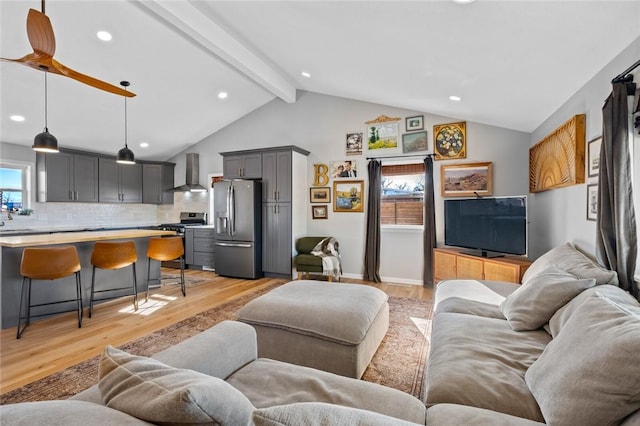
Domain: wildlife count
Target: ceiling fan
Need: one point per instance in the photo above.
(43, 42)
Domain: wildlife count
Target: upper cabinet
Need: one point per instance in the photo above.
(119, 183)
(157, 183)
(276, 177)
(242, 166)
(67, 176)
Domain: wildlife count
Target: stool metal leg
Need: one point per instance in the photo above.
(19, 331)
(93, 286)
(79, 295)
(182, 284)
(135, 288)
(146, 299)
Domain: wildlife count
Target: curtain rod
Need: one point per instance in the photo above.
(623, 75)
(400, 156)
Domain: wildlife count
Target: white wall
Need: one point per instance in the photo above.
(319, 123)
(559, 215)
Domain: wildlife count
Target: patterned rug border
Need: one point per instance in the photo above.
(402, 345)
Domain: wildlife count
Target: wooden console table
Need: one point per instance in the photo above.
(451, 263)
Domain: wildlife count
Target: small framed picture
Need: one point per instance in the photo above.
(414, 142)
(354, 143)
(347, 196)
(593, 150)
(466, 180)
(414, 123)
(319, 212)
(320, 195)
(450, 141)
(344, 169)
(592, 201)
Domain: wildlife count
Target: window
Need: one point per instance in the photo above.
(402, 201)
(14, 190)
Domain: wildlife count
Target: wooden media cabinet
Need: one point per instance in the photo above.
(450, 263)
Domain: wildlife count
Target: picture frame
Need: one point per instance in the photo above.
(343, 169)
(592, 202)
(414, 123)
(320, 195)
(353, 143)
(348, 196)
(414, 142)
(382, 133)
(450, 141)
(593, 156)
(466, 179)
(319, 212)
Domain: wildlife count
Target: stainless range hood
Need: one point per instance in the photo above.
(193, 173)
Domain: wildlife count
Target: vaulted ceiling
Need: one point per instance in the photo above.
(513, 63)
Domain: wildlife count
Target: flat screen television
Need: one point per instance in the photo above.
(489, 227)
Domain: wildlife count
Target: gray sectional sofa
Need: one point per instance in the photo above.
(562, 349)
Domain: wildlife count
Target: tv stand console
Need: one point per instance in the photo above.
(451, 263)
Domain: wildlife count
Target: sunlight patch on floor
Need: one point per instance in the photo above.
(155, 302)
(422, 324)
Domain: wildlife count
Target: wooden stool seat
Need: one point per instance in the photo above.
(164, 249)
(113, 255)
(48, 263)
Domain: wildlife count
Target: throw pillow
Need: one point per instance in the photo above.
(568, 258)
(589, 374)
(534, 303)
(150, 390)
(320, 414)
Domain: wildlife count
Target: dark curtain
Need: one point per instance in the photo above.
(429, 222)
(372, 240)
(616, 239)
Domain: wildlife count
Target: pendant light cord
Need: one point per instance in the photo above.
(46, 127)
(125, 120)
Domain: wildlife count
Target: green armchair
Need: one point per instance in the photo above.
(306, 262)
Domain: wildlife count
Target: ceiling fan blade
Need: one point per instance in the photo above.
(94, 82)
(40, 33)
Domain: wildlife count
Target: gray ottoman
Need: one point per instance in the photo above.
(331, 327)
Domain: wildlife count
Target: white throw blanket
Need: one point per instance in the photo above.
(328, 250)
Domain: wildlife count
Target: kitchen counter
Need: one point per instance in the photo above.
(78, 237)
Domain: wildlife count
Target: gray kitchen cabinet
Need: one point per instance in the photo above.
(276, 238)
(119, 183)
(242, 166)
(67, 176)
(276, 177)
(157, 183)
(199, 247)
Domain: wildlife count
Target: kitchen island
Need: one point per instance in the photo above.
(64, 288)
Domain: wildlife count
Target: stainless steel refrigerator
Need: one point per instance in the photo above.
(237, 207)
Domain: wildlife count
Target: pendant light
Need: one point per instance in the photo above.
(45, 141)
(125, 155)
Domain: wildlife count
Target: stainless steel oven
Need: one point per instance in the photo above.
(186, 218)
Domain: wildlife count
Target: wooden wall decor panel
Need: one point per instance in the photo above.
(558, 159)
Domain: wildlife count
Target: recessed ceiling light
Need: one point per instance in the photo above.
(463, 1)
(223, 95)
(104, 35)
(144, 145)
(455, 98)
(305, 74)
(17, 118)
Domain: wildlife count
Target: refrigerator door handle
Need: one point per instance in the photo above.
(232, 212)
(228, 218)
(244, 245)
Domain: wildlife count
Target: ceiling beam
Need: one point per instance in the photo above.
(204, 31)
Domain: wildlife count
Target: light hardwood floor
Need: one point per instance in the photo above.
(53, 344)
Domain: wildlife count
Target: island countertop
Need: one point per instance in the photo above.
(78, 237)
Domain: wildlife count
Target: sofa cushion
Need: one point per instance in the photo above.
(454, 414)
(481, 362)
(532, 305)
(153, 391)
(461, 305)
(479, 291)
(614, 293)
(568, 258)
(589, 374)
(266, 383)
(319, 414)
(63, 413)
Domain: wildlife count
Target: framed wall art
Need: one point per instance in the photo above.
(593, 154)
(592, 202)
(414, 123)
(354, 143)
(344, 169)
(464, 180)
(414, 142)
(319, 195)
(382, 133)
(319, 212)
(450, 141)
(348, 196)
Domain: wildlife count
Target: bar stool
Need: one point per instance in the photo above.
(164, 249)
(113, 255)
(48, 263)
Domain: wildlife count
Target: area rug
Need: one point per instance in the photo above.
(171, 279)
(398, 363)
